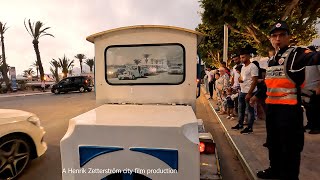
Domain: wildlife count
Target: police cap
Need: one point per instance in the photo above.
(281, 25)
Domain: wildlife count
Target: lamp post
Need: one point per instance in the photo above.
(225, 43)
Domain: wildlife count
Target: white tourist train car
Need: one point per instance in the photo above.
(144, 128)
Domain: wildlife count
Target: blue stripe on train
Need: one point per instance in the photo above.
(169, 156)
(86, 153)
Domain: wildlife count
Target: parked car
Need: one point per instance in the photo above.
(21, 140)
(175, 70)
(114, 73)
(74, 83)
(132, 72)
(3, 88)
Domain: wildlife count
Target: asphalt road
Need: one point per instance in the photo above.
(56, 110)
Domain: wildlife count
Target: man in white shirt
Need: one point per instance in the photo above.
(234, 75)
(248, 83)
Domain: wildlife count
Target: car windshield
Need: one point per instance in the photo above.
(144, 64)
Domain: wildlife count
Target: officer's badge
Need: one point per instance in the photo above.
(281, 60)
(307, 51)
(278, 25)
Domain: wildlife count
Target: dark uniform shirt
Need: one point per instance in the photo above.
(298, 59)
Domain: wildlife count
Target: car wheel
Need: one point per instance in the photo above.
(15, 154)
(81, 89)
(89, 89)
(56, 91)
(132, 77)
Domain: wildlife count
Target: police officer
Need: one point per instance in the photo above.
(284, 117)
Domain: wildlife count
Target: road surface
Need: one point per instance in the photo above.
(56, 110)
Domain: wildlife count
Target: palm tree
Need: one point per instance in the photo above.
(28, 73)
(65, 65)
(80, 57)
(54, 69)
(36, 32)
(90, 63)
(35, 64)
(146, 57)
(3, 65)
(137, 61)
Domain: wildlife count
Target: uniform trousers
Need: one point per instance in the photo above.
(285, 138)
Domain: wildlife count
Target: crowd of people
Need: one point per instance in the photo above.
(234, 89)
(275, 94)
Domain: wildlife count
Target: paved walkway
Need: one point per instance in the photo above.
(254, 156)
(23, 93)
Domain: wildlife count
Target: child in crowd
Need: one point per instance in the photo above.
(230, 103)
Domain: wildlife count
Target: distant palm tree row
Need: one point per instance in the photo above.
(37, 30)
(64, 64)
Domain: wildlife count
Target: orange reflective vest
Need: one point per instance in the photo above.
(281, 89)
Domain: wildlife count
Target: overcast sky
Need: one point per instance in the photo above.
(71, 21)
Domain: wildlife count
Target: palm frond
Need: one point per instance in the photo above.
(3, 28)
(52, 71)
(37, 29)
(43, 30)
(70, 64)
(55, 63)
(31, 27)
(80, 56)
(27, 28)
(35, 64)
(90, 62)
(46, 34)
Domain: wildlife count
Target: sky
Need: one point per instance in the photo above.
(71, 21)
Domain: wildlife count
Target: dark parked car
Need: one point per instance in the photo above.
(74, 83)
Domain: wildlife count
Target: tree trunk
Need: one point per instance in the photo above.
(37, 72)
(80, 60)
(4, 64)
(56, 75)
(65, 73)
(36, 49)
(91, 69)
(289, 9)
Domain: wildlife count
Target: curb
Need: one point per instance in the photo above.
(20, 95)
(251, 175)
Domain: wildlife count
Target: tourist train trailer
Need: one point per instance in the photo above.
(146, 127)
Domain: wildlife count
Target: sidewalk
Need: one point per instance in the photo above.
(254, 157)
(24, 93)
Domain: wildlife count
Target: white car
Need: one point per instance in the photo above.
(175, 70)
(132, 72)
(21, 140)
